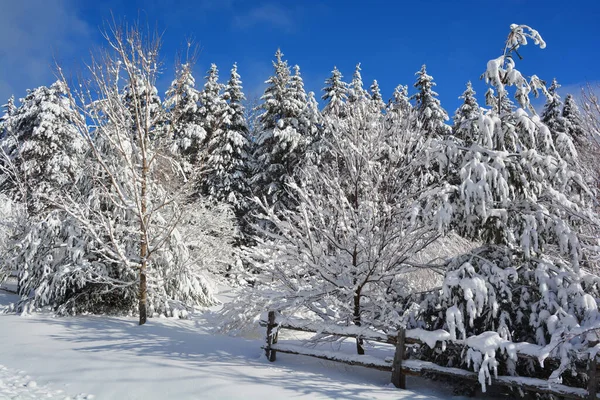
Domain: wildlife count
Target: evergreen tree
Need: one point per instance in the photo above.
(182, 97)
(228, 158)
(572, 120)
(399, 104)
(430, 113)
(466, 117)
(45, 149)
(8, 143)
(531, 213)
(336, 94)
(305, 113)
(552, 109)
(280, 145)
(213, 105)
(356, 91)
(376, 99)
(141, 98)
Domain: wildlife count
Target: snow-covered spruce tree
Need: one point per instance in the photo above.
(376, 99)
(399, 104)
(356, 90)
(335, 94)
(227, 178)
(530, 280)
(431, 115)
(280, 145)
(551, 115)
(213, 109)
(573, 122)
(342, 256)
(183, 97)
(42, 149)
(466, 117)
(308, 119)
(121, 246)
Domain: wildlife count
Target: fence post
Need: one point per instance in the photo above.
(271, 337)
(592, 382)
(398, 378)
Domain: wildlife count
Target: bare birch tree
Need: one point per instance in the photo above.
(128, 131)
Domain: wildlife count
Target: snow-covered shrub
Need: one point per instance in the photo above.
(523, 300)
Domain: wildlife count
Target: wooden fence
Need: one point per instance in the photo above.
(400, 366)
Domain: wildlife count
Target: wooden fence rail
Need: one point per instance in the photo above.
(400, 366)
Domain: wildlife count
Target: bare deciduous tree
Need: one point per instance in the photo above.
(127, 132)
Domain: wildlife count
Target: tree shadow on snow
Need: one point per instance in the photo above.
(194, 353)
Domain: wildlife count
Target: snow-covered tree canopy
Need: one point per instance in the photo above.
(41, 147)
(431, 115)
(344, 255)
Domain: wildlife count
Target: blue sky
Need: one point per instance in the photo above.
(390, 38)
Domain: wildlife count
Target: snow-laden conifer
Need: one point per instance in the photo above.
(227, 178)
(183, 97)
(376, 99)
(530, 279)
(431, 115)
(466, 117)
(335, 94)
(572, 120)
(281, 142)
(213, 105)
(42, 149)
(356, 90)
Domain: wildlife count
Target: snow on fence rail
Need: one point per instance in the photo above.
(400, 367)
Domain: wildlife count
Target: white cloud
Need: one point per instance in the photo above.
(35, 33)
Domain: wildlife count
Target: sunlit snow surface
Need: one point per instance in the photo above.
(99, 357)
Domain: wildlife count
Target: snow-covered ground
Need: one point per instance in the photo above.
(42, 356)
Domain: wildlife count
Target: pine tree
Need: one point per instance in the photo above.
(336, 94)
(523, 202)
(142, 97)
(213, 106)
(466, 117)
(8, 144)
(305, 113)
(45, 149)
(182, 97)
(572, 120)
(280, 145)
(376, 99)
(356, 91)
(430, 113)
(399, 104)
(552, 109)
(227, 179)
